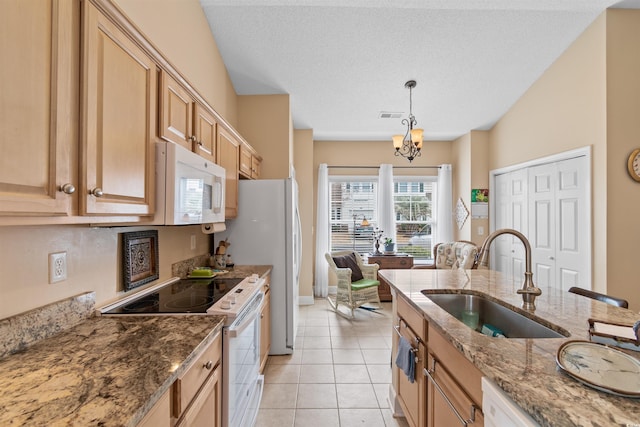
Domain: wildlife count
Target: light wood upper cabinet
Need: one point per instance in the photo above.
(119, 87)
(205, 132)
(228, 153)
(250, 162)
(39, 44)
(184, 121)
(176, 118)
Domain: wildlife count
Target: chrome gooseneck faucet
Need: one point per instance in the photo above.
(529, 291)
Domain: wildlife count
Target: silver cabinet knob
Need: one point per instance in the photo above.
(208, 365)
(192, 138)
(68, 188)
(551, 258)
(97, 192)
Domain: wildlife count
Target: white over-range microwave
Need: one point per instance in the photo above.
(190, 189)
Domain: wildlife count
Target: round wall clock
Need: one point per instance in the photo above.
(633, 164)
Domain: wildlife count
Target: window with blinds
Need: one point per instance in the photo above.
(354, 200)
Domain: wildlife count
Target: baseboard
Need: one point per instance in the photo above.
(305, 300)
(394, 405)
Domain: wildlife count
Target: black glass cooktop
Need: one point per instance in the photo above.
(184, 296)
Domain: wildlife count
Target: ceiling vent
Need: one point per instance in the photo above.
(389, 115)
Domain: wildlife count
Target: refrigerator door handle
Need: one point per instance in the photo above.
(298, 245)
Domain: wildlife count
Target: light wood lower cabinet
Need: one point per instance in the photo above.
(160, 414)
(454, 386)
(265, 324)
(118, 121)
(197, 393)
(412, 395)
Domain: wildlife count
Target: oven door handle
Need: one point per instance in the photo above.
(235, 330)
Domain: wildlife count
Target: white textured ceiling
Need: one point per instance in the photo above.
(344, 62)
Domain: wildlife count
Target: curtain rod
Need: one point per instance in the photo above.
(378, 167)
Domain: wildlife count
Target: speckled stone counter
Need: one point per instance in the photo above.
(242, 271)
(106, 371)
(525, 368)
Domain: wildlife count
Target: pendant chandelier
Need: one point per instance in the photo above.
(410, 145)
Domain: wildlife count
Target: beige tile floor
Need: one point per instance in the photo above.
(338, 374)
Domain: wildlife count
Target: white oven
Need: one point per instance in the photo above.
(242, 382)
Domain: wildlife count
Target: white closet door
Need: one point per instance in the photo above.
(573, 249)
(507, 251)
(542, 214)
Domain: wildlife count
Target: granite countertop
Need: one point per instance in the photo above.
(105, 371)
(525, 368)
(60, 365)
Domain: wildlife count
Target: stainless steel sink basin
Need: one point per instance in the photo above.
(477, 311)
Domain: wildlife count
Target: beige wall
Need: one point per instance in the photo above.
(461, 182)
(623, 127)
(265, 122)
(479, 155)
(179, 29)
(564, 110)
(303, 141)
(93, 261)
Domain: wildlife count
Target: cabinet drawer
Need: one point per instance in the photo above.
(187, 385)
(411, 317)
(450, 404)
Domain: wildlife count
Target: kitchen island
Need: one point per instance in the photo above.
(525, 369)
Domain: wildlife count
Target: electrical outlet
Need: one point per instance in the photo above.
(57, 267)
(193, 242)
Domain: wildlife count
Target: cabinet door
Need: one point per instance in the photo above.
(245, 161)
(448, 404)
(206, 408)
(412, 395)
(228, 157)
(176, 115)
(159, 415)
(38, 106)
(205, 130)
(265, 328)
(118, 121)
(256, 163)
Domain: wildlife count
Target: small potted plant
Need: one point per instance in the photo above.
(389, 246)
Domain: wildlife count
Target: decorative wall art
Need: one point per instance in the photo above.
(462, 213)
(140, 258)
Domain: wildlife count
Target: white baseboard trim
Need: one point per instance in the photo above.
(392, 399)
(305, 300)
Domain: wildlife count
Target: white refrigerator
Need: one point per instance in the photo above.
(267, 232)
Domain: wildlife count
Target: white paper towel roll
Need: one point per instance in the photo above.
(215, 227)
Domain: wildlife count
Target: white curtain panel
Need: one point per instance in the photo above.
(321, 288)
(444, 206)
(386, 213)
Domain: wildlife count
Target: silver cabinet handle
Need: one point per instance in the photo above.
(192, 138)
(97, 192)
(551, 258)
(68, 188)
(472, 418)
(208, 365)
